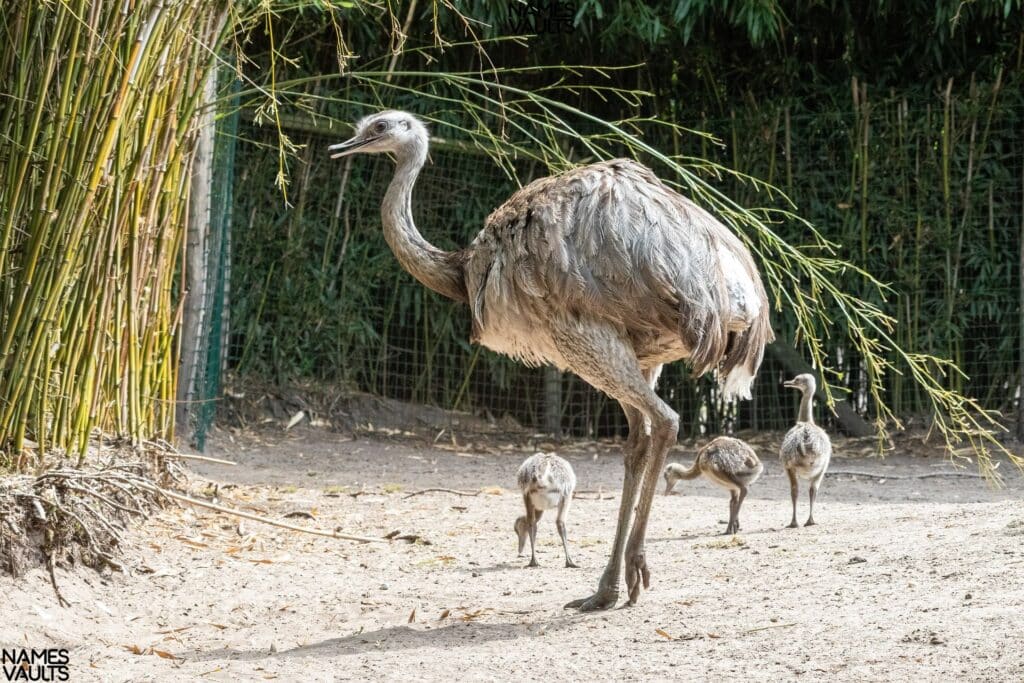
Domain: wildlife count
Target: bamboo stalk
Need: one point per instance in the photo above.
(1020, 323)
(789, 153)
(100, 111)
(865, 135)
(947, 205)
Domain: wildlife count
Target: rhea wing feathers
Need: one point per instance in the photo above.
(610, 241)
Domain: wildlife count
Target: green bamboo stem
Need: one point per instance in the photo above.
(99, 126)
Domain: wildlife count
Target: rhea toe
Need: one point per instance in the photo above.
(547, 481)
(727, 462)
(806, 448)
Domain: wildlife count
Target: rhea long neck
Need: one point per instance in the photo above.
(806, 414)
(435, 268)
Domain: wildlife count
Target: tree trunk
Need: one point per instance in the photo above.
(553, 401)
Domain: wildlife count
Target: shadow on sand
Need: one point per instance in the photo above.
(402, 637)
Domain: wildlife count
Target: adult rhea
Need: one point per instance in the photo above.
(602, 271)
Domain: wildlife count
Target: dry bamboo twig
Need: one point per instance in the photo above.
(258, 518)
(112, 503)
(926, 475)
(114, 531)
(598, 494)
(113, 477)
(203, 458)
(765, 628)
(51, 564)
(441, 490)
(90, 540)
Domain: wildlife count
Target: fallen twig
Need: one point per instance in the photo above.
(203, 458)
(437, 490)
(265, 520)
(599, 494)
(105, 499)
(90, 539)
(926, 475)
(764, 628)
(51, 563)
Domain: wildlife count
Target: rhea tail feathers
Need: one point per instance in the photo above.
(743, 359)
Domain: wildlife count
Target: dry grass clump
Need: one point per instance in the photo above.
(69, 516)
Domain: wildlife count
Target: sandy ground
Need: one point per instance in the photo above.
(906, 578)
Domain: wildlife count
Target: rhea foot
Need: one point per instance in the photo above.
(636, 572)
(792, 525)
(604, 598)
(810, 522)
(571, 565)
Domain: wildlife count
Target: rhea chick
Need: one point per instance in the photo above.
(806, 449)
(547, 481)
(727, 462)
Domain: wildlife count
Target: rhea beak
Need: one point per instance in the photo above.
(348, 147)
(790, 383)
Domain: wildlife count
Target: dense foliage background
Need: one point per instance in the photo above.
(896, 128)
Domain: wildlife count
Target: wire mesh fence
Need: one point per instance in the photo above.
(925, 195)
(214, 354)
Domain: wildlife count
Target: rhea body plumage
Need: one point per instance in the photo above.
(726, 462)
(806, 449)
(547, 482)
(603, 271)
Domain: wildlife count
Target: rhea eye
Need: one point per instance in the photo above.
(380, 126)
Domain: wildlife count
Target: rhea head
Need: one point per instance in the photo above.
(672, 475)
(388, 131)
(805, 383)
(542, 479)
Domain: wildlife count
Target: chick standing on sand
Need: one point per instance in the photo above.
(547, 481)
(806, 449)
(727, 462)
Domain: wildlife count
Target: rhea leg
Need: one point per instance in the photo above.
(563, 508)
(522, 531)
(739, 504)
(731, 527)
(639, 435)
(794, 489)
(532, 517)
(664, 430)
(603, 358)
(608, 586)
(812, 494)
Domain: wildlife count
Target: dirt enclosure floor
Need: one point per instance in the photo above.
(904, 578)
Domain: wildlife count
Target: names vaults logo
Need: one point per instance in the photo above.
(24, 664)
